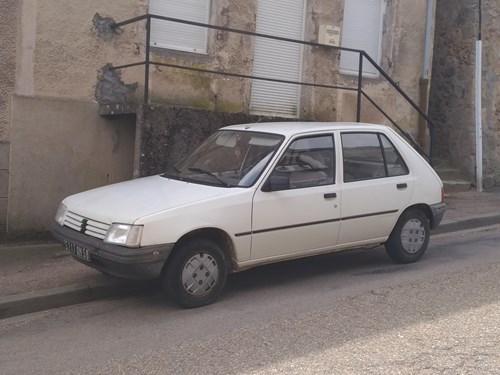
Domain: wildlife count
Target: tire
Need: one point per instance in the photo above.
(196, 274)
(409, 238)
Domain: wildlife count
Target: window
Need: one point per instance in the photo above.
(362, 29)
(307, 162)
(172, 35)
(276, 59)
(370, 155)
(395, 163)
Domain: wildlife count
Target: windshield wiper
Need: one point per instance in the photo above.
(208, 173)
(177, 172)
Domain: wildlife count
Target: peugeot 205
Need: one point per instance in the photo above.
(255, 194)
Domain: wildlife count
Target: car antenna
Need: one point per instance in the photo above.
(266, 117)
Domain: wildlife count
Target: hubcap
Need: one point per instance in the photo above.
(413, 236)
(200, 274)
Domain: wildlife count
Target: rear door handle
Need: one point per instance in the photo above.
(330, 195)
(402, 186)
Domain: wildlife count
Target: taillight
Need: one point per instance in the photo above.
(442, 194)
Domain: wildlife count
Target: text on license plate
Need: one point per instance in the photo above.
(77, 250)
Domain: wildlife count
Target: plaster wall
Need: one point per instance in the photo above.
(68, 52)
(52, 48)
(402, 57)
(61, 147)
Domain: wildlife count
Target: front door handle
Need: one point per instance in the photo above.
(402, 186)
(330, 195)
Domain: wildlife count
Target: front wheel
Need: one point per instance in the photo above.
(196, 274)
(409, 238)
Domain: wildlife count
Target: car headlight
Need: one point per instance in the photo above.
(124, 235)
(61, 214)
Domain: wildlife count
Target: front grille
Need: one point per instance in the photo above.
(86, 226)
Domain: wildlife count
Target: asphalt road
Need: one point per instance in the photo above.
(348, 313)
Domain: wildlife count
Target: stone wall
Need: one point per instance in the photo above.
(491, 93)
(452, 89)
(70, 51)
(8, 33)
(166, 134)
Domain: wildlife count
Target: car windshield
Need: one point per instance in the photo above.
(228, 158)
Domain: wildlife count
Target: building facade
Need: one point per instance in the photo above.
(55, 141)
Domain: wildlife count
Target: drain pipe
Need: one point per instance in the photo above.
(424, 81)
(478, 109)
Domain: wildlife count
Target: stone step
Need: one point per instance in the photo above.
(447, 173)
(441, 163)
(455, 186)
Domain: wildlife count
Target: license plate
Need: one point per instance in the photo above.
(77, 250)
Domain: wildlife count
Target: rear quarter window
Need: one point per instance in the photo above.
(370, 155)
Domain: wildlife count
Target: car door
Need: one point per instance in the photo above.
(376, 186)
(297, 209)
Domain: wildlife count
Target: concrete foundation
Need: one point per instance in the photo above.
(58, 148)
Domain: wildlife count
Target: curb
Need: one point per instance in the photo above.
(80, 293)
(475, 222)
(69, 295)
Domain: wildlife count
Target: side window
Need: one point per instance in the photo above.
(370, 155)
(395, 163)
(306, 162)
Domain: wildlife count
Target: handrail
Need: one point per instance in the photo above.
(359, 89)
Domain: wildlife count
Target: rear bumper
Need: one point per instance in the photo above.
(437, 213)
(141, 263)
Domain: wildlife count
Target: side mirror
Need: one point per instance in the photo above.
(276, 182)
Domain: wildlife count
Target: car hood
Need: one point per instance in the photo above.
(128, 201)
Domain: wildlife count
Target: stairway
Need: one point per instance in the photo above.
(452, 178)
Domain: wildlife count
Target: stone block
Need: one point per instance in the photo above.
(3, 212)
(4, 184)
(166, 134)
(4, 155)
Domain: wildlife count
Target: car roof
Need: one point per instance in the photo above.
(290, 128)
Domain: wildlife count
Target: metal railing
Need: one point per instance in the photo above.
(359, 89)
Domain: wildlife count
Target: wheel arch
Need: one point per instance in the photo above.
(424, 208)
(216, 235)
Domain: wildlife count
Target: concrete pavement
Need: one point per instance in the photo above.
(36, 276)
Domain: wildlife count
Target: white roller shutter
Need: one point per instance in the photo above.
(178, 36)
(279, 60)
(362, 29)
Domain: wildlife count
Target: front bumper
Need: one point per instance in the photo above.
(437, 211)
(138, 263)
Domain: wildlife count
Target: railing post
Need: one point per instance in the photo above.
(360, 84)
(147, 60)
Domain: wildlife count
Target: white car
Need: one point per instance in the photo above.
(255, 194)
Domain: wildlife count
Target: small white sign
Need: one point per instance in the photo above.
(329, 35)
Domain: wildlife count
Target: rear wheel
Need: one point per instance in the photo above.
(196, 274)
(409, 238)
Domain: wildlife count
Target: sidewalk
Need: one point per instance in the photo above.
(41, 275)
